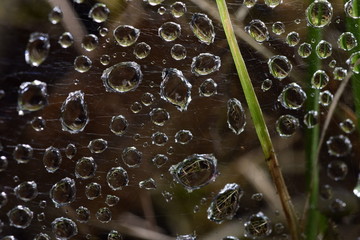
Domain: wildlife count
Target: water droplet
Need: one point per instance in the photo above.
(292, 39)
(23, 153)
(287, 125)
(74, 114)
(186, 237)
(266, 85)
(148, 184)
(208, 88)
(142, 50)
(175, 89)
(325, 98)
(85, 168)
(136, 107)
(169, 31)
(159, 116)
(92, 190)
(55, 15)
(350, 8)
(178, 52)
(168, 196)
(319, 13)
(347, 41)
(37, 49)
(32, 96)
(114, 235)
(278, 28)
(236, 117)
(131, 157)
(258, 226)
(159, 160)
(337, 205)
(20, 216)
(52, 159)
(3, 199)
(203, 28)
(183, 136)
(99, 13)
(292, 96)
(82, 63)
(279, 66)
(117, 178)
(205, 63)
(147, 99)
(319, 79)
(89, 42)
(257, 30)
(250, 3)
(347, 126)
(70, 151)
(304, 50)
(3, 164)
(118, 125)
(66, 40)
(126, 35)
(97, 145)
(339, 146)
(353, 62)
(64, 228)
(122, 77)
(42, 236)
(195, 171)
(63, 192)
(178, 9)
(273, 3)
(105, 59)
(82, 214)
(9, 237)
(311, 118)
(225, 204)
(159, 138)
(323, 49)
(112, 200)
(230, 238)
(332, 63)
(257, 197)
(38, 124)
(154, 2)
(339, 73)
(161, 10)
(26, 191)
(337, 170)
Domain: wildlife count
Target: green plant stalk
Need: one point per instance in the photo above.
(312, 136)
(259, 121)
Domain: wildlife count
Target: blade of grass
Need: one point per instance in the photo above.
(259, 121)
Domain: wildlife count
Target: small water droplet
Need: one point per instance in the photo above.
(287, 125)
(23, 153)
(250, 3)
(147, 99)
(178, 52)
(319, 79)
(292, 39)
(205, 63)
(347, 126)
(99, 13)
(339, 146)
(332, 63)
(103, 31)
(304, 50)
(159, 116)
(159, 160)
(337, 205)
(178, 9)
(32, 96)
(114, 235)
(154, 2)
(169, 31)
(279, 66)
(353, 62)
(183, 136)
(273, 3)
(90, 42)
(97, 145)
(82, 214)
(70, 151)
(258, 226)
(55, 15)
(37, 49)
(319, 13)
(82, 63)
(131, 157)
(112, 200)
(118, 125)
(323, 49)
(63, 192)
(117, 178)
(350, 8)
(42, 236)
(26, 191)
(258, 30)
(38, 124)
(126, 35)
(325, 98)
(20, 216)
(148, 184)
(203, 28)
(337, 170)
(278, 28)
(92, 190)
(186, 237)
(236, 118)
(356, 189)
(257, 197)
(64, 228)
(347, 41)
(85, 168)
(266, 85)
(66, 40)
(52, 159)
(195, 171)
(105, 59)
(159, 138)
(3, 164)
(142, 50)
(167, 195)
(208, 88)
(311, 118)
(339, 73)
(136, 107)
(74, 114)
(292, 96)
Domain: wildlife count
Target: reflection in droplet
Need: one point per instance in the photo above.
(85, 168)
(337, 170)
(258, 30)
(32, 96)
(118, 125)
(117, 178)
(82, 63)
(279, 66)
(131, 157)
(142, 50)
(236, 118)
(258, 226)
(205, 63)
(74, 114)
(26, 191)
(319, 13)
(286, 125)
(208, 88)
(122, 77)
(347, 41)
(99, 13)
(63, 192)
(148, 184)
(23, 153)
(97, 145)
(225, 204)
(52, 159)
(20, 216)
(178, 52)
(175, 88)
(37, 49)
(55, 15)
(169, 31)
(292, 96)
(126, 35)
(203, 28)
(339, 146)
(195, 171)
(64, 228)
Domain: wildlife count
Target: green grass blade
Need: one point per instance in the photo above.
(258, 120)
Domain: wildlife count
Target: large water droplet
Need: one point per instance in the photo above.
(178, 52)
(126, 35)
(122, 77)
(287, 125)
(175, 88)
(63, 192)
(319, 79)
(208, 88)
(203, 28)
(90, 42)
(99, 13)
(82, 63)
(159, 116)
(323, 49)
(52, 159)
(319, 13)
(85, 168)
(183, 136)
(26, 191)
(205, 63)
(142, 50)
(195, 171)
(118, 125)
(292, 39)
(20, 216)
(131, 157)
(279, 66)
(353, 62)
(23, 153)
(32, 96)
(169, 31)
(351, 9)
(104, 215)
(257, 30)
(325, 98)
(292, 96)
(278, 28)
(225, 204)
(97, 145)
(178, 9)
(148, 184)
(37, 49)
(304, 50)
(64, 228)
(236, 117)
(66, 40)
(258, 226)
(347, 41)
(339, 146)
(117, 178)
(92, 190)
(114, 235)
(74, 114)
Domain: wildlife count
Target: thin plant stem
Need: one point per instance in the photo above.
(259, 121)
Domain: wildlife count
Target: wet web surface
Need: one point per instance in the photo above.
(126, 119)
